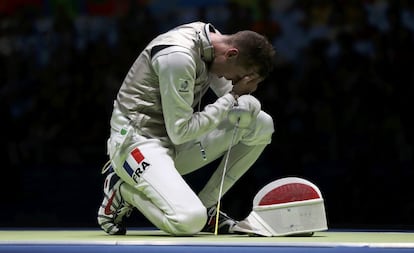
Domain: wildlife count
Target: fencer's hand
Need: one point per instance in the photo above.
(247, 109)
(246, 84)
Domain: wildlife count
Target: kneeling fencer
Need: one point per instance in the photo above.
(159, 131)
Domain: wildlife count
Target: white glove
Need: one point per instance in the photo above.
(247, 109)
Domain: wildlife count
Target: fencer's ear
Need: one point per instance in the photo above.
(232, 52)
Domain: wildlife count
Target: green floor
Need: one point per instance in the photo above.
(152, 237)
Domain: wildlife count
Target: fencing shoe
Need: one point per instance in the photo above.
(225, 223)
(113, 208)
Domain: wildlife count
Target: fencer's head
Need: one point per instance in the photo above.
(241, 54)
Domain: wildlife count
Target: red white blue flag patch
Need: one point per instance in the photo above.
(135, 164)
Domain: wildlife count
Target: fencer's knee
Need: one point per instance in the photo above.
(262, 130)
(190, 221)
(265, 122)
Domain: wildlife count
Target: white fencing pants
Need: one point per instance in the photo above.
(248, 144)
(153, 172)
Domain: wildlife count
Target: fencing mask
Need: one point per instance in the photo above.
(288, 206)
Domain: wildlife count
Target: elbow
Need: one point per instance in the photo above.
(177, 135)
(176, 139)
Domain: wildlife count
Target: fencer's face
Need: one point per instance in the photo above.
(233, 73)
(228, 66)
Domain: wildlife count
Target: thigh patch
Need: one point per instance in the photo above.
(135, 164)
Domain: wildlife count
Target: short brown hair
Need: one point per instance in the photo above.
(255, 50)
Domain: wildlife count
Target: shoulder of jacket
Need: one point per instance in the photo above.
(159, 50)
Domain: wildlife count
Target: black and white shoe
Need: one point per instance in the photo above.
(225, 223)
(113, 208)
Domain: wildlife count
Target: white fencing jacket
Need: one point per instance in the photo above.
(166, 82)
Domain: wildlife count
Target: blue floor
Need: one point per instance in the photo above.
(36, 248)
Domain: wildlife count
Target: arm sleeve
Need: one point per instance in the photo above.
(177, 72)
(220, 86)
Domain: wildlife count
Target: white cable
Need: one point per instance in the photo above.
(236, 126)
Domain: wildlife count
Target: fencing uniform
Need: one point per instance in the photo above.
(158, 134)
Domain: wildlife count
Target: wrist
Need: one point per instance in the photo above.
(235, 95)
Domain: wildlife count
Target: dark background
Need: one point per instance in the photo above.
(341, 96)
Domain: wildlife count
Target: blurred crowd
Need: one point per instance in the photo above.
(341, 96)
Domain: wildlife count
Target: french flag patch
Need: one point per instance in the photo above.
(135, 164)
(137, 155)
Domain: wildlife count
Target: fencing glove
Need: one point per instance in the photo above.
(246, 109)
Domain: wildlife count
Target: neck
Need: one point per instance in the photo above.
(219, 42)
